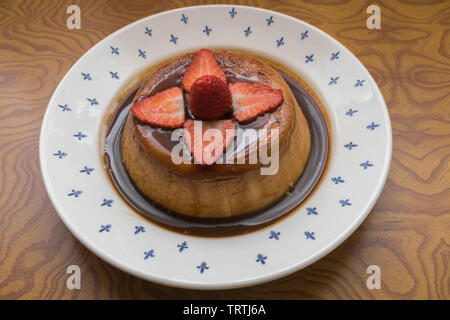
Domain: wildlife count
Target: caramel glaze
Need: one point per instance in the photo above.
(161, 137)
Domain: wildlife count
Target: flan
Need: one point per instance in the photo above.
(224, 188)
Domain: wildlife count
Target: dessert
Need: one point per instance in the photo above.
(220, 177)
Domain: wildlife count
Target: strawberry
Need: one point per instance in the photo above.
(203, 63)
(210, 98)
(164, 109)
(202, 142)
(253, 99)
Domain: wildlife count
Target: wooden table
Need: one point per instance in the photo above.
(407, 234)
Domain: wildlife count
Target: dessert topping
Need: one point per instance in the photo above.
(253, 99)
(203, 63)
(164, 109)
(210, 98)
(207, 140)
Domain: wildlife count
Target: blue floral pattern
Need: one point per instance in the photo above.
(142, 54)
(248, 31)
(60, 154)
(310, 235)
(202, 267)
(182, 246)
(149, 254)
(261, 258)
(274, 235)
(173, 39)
(304, 35)
(105, 228)
(345, 202)
(232, 13)
(138, 229)
(335, 56)
(280, 42)
(106, 203)
(87, 170)
(309, 58)
(64, 107)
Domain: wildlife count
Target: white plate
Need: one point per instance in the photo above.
(79, 189)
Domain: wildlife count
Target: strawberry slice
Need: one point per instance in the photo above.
(203, 63)
(164, 109)
(207, 140)
(253, 99)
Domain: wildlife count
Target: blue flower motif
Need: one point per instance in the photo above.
(182, 246)
(64, 107)
(304, 35)
(310, 235)
(269, 21)
(184, 18)
(106, 228)
(309, 58)
(350, 112)
(107, 203)
(280, 42)
(366, 165)
(261, 258)
(202, 267)
(337, 180)
(60, 154)
(350, 145)
(207, 30)
(86, 76)
(87, 170)
(114, 50)
(372, 126)
(310, 211)
(359, 83)
(335, 56)
(345, 202)
(173, 39)
(114, 75)
(80, 136)
(248, 31)
(75, 193)
(274, 235)
(93, 101)
(148, 31)
(333, 80)
(149, 254)
(138, 229)
(232, 13)
(142, 54)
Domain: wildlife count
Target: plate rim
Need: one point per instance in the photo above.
(187, 284)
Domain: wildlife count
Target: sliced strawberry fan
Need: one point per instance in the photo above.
(166, 109)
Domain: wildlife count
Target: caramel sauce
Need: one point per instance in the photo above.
(313, 173)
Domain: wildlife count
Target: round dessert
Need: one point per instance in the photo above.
(224, 169)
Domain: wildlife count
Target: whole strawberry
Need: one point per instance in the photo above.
(209, 98)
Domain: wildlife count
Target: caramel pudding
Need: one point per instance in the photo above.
(220, 189)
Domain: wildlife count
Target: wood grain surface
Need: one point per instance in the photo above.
(407, 234)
